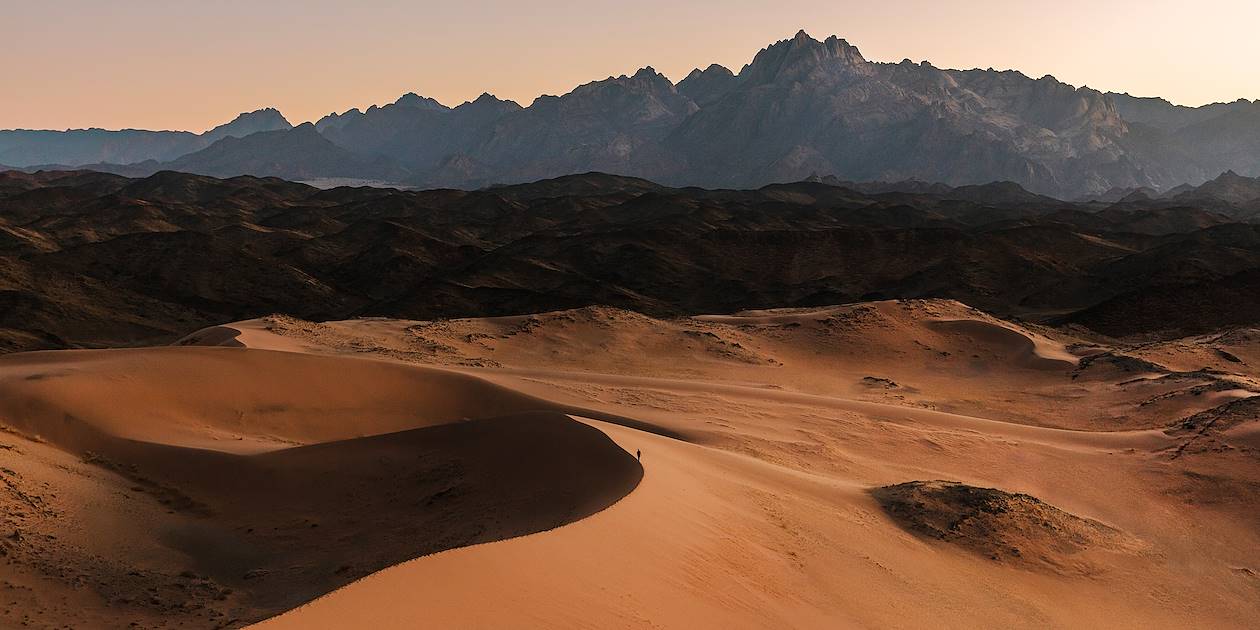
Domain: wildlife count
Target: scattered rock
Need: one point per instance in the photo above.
(1014, 528)
(879, 383)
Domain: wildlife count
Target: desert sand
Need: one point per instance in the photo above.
(797, 470)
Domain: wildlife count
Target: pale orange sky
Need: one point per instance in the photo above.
(183, 64)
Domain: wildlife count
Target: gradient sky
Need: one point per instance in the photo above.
(183, 64)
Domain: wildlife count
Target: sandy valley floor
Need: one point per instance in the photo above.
(797, 471)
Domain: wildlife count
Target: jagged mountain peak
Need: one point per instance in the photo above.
(713, 70)
(265, 119)
(265, 113)
(646, 76)
(645, 80)
(707, 86)
(413, 100)
(801, 57)
(488, 102)
(337, 121)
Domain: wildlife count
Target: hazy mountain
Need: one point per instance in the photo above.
(75, 147)
(1192, 144)
(804, 106)
(267, 119)
(1165, 116)
(1119, 193)
(298, 153)
(417, 133)
(801, 108)
(1228, 194)
(22, 147)
(616, 125)
(1229, 187)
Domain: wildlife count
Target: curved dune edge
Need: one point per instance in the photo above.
(1026, 348)
(583, 574)
(356, 465)
(714, 539)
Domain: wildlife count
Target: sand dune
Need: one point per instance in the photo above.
(259, 465)
(714, 539)
(934, 354)
(1012, 345)
(232, 400)
(262, 479)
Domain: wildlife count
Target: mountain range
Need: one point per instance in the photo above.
(800, 108)
(90, 258)
(25, 147)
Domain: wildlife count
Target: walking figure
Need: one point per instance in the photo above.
(638, 454)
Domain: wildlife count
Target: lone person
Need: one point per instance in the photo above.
(638, 454)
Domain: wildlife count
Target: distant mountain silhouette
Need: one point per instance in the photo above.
(76, 147)
(267, 119)
(1190, 144)
(1228, 194)
(298, 153)
(800, 108)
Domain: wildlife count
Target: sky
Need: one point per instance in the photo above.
(182, 64)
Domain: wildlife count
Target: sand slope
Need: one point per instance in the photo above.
(713, 539)
(261, 464)
(246, 482)
(933, 354)
(758, 511)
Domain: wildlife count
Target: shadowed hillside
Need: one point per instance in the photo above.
(92, 258)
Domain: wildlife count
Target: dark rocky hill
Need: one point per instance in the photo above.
(92, 258)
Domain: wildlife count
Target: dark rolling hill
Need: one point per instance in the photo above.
(94, 258)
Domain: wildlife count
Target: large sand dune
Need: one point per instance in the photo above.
(245, 482)
(487, 467)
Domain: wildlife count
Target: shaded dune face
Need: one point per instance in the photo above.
(1016, 347)
(301, 522)
(394, 463)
